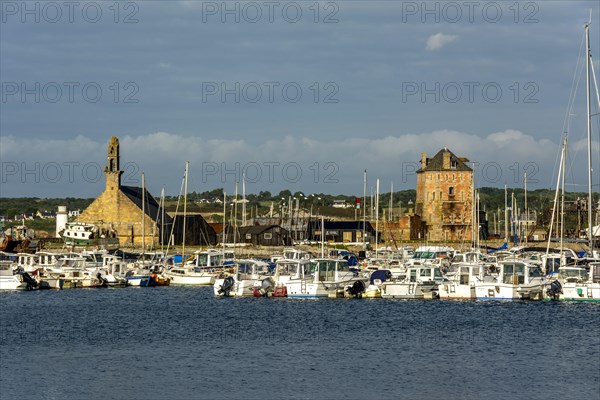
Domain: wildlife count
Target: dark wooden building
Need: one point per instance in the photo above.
(260, 235)
(342, 231)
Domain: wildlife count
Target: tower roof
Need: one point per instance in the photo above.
(436, 163)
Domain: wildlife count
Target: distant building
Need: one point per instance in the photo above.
(260, 235)
(445, 196)
(342, 231)
(119, 209)
(74, 213)
(340, 204)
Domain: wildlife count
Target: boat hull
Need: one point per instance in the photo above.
(506, 291)
(455, 291)
(408, 290)
(190, 280)
(11, 283)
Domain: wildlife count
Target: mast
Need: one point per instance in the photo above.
(391, 202)
(560, 173)
(235, 203)
(505, 215)
(224, 219)
(162, 218)
(143, 212)
(377, 218)
(588, 60)
(526, 210)
(184, 212)
(322, 236)
(562, 205)
(364, 206)
(243, 199)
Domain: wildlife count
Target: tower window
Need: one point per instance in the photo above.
(451, 191)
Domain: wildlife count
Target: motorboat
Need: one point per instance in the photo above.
(324, 277)
(511, 280)
(252, 278)
(419, 282)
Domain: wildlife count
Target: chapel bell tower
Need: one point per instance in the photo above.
(112, 172)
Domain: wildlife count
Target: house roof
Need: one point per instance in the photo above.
(152, 208)
(436, 163)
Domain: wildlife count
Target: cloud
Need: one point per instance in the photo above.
(439, 40)
(74, 167)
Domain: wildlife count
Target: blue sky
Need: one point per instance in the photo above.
(217, 84)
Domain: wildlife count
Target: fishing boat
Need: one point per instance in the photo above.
(8, 279)
(460, 281)
(202, 270)
(419, 282)
(252, 278)
(324, 277)
(511, 280)
(286, 269)
(575, 283)
(83, 235)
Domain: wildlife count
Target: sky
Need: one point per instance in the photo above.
(299, 95)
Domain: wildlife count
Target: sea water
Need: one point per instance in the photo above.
(183, 343)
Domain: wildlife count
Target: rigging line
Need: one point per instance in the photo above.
(176, 211)
(577, 74)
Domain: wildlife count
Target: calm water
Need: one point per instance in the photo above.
(182, 343)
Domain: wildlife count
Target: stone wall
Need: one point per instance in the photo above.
(444, 200)
(115, 211)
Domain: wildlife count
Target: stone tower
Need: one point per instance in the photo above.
(445, 196)
(112, 171)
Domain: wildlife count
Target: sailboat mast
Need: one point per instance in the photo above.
(184, 211)
(588, 60)
(377, 218)
(162, 219)
(243, 199)
(143, 212)
(224, 219)
(364, 205)
(526, 209)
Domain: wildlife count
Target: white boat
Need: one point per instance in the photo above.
(575, 284)
(252, 278)
(70, 272)
(429, 255)
(286, 270)
(8, 279)
(113, 271)
(377, 278)
(511, 280)
(461, 280)
(420, 282)
(325, 277)
(202, 270)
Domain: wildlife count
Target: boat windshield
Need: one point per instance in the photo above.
(204, 260)
(514, 269)
(573, 272)
(535, 272)
(343, 266)
(288, 269)
(424, 255)
(327, 270)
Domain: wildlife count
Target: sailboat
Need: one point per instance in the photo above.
(573, 283)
